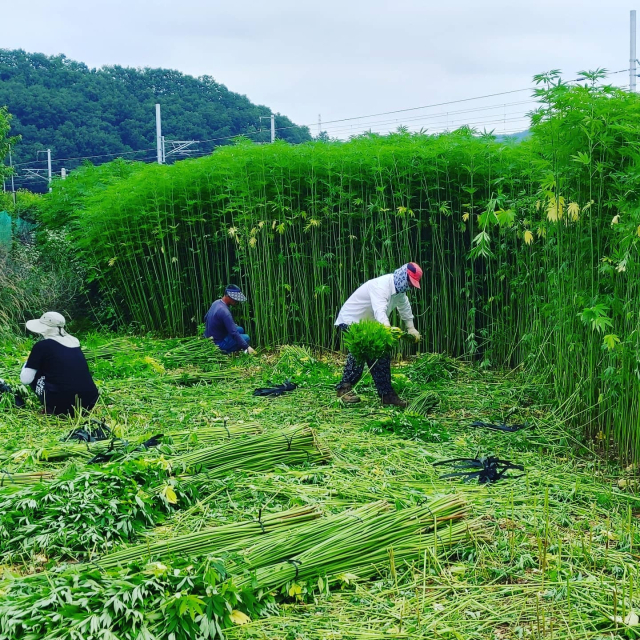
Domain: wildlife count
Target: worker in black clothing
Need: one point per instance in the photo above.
(57, 370)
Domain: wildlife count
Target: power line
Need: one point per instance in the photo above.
(441, 104)
(425, 119)
(444, 114)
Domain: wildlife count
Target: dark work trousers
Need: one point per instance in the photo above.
(380, 370)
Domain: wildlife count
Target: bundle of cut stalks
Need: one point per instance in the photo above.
(297, 445)
(358, 541)
(110, 349)
(179, 441)
(214, 540)
(198, 352)
(191, 378)
(17, 480)
(424, 403)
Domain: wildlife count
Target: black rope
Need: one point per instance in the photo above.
(289, 441)
(259, 521)
(486, 469)
(426, 506)
(500, 426)
(224, 424)
(353, 515)
(296, 564)
(5, 474)
(277, 390)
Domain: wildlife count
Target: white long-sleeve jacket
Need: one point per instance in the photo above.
(375, 300)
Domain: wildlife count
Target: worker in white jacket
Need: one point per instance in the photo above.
(375, 300)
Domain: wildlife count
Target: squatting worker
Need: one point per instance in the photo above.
(57, 370)
(219, 324)
(375, 300)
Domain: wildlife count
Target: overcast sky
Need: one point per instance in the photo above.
(342, 58)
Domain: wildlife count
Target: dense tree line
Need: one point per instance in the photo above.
(64, 105)
(6, 142)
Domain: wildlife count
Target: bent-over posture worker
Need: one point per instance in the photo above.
(375, 300)
(219, 324)
(57, 370)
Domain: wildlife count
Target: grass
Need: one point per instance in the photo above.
(556, 556)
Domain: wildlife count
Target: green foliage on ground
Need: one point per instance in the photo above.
(86, 512)
(76, 111)
(127, 604)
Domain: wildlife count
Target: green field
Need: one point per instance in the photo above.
(551, 554)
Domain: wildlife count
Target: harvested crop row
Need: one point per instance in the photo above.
(179, 441)
(80, 514)
(362, 541)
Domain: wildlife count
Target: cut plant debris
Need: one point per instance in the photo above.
(239, 485)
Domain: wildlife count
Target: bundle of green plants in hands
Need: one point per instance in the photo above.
(369, 340)
(190, 600)
(83, 513)
(297, 445)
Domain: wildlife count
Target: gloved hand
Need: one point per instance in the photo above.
(412, 331)
(251, 351)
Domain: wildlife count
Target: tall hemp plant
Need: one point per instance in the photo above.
(529, 249)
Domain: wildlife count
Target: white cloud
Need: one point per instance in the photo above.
(337, 58)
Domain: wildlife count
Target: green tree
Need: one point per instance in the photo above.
(76, 111)
(6, 142)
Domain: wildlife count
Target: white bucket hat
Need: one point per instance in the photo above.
(47, 322)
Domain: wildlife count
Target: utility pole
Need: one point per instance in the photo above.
(632, 56)
(63, 173)
(49, 167)
(49, 175)
(13, 188)
(159, 144)
(273, 128)
(319, 125)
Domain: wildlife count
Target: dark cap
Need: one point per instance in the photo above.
(235, 293)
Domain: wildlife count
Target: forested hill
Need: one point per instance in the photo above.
(64, 105)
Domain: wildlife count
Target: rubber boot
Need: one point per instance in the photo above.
(347, 395)
(393, 399)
